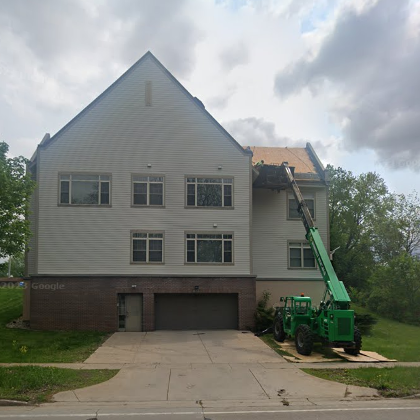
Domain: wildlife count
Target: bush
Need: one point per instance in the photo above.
(365, 323)
(264, 316)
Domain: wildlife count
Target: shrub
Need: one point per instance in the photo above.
(264, 315)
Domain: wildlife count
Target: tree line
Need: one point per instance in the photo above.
(377, 234)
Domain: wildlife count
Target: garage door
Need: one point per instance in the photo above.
(196, 311)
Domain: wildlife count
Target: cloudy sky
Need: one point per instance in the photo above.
(341, 74)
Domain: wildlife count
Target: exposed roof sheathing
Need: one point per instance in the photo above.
(299, 157)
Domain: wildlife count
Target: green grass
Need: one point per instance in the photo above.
(392, 339)
(390, 382)
(40, 346)
(38, 384)
(269, 340)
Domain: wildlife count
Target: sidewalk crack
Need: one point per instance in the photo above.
(252, 373)
(205, 348)
(169, 381)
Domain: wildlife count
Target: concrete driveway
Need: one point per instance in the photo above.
(184, 347)
(196, 366)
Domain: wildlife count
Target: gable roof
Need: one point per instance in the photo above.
(47, 140)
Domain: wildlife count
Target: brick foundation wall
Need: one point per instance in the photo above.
(90, 303)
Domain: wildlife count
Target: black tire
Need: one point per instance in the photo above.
(304, 339)
(358, 341)
(278, 329)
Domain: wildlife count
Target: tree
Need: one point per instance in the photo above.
(16, 187)
(396, 289)
(17, 266)
(356, 204)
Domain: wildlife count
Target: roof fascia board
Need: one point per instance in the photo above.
(316, 161)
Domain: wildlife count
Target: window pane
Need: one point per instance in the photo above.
(105, 177)
(190, 235)
(139, 256)
(311, 206)
(295, 257)
(155, 250)
(139, 235)
(308, 258)
(209, 236)
(64, 177)
(228, 181)
(139, 245)
(156, 194)
(140, 199)
(209, 195)
(155, 235)
(155, 178)
(228, 251)
(64, 198)
(209, 251)
(190, 256)
(190, 194)
(293, 212)
(227, 195)
(210, 180)
(190, 179)
(140, 188)
(139, 178)
(190, 246)
(227, 236)
(104, 192)
(84, 192)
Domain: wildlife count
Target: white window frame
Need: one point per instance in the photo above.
(303, 245)
(196, 239)
(148, 182)
(222, 183)
(71, 174)
(306, 197)
(147, 238)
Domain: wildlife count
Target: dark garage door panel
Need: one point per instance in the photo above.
(194, 311)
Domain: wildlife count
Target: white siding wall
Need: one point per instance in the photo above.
(271, 232)
(120, 135)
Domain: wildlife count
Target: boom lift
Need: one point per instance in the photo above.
(331, 323)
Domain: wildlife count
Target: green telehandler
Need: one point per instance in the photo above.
(333, 321)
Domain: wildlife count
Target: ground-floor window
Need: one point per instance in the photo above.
(301, 255)
(209, 248)
(147, 247)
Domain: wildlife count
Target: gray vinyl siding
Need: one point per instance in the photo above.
(271, 232)
(120, 135)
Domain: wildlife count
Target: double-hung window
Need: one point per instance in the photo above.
(85, 189)
(147, 247)
(209, 192)
(209, 248)
(148, 190)
(301, 255)
(292, 207)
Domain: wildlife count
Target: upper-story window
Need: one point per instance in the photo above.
(148, 190)
(146, 247)
(292, 212)
(209, 248)
(209, 192)
(85, 189)
(301, 255)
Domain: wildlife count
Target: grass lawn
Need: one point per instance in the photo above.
(392, 339)
(17, 346)
(37, 384)
(390, 382)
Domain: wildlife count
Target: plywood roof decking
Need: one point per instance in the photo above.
(296, 156)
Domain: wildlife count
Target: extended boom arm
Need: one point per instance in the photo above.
(335, 288)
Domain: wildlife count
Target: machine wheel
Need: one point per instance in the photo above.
(304, 339)
(358, 341)
(278, 329)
